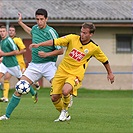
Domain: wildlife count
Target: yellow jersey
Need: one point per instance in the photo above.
(77, 55)
(18, 41)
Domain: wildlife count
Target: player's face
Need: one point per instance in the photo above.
(3, 33)
(85, 35)
(12, 32)
(41, 21)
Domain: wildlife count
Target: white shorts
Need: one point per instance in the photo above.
(15, 71)
(36, 71)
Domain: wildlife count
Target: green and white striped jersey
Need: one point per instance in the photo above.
(8, 45)
(42, 35)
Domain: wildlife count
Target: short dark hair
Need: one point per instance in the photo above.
(3, 26)
(42, 11)
(89, 25)
(12, 26)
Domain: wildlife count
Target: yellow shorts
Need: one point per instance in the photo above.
(61, 77)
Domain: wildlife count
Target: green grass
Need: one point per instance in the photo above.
(93, 111)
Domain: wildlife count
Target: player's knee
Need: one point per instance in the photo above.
(67, 88)
(17, 94)
(65, 92)
(55, 97)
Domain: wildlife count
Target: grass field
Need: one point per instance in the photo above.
(93, 111)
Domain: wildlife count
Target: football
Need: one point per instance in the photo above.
(22, 87)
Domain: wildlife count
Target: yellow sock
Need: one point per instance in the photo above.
(58, 104)
(66, 101)
(6, 88)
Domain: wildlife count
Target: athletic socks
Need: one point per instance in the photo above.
(12, 105)
(66, 101)
(32, 91)
(58, 104)
(6, 88)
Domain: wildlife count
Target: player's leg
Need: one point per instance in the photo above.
(32, 91)
(33, 74)
(67, 88)
(59, 102)
(64, 115)
(48, 71)
(59, 105)
(15, 71)
(15, 99)
(37, 86)
(6, 86)
(71, 101)
(70, 87)
(3, 71)
(1, 85)
(74, 92)
(13, 103)
(67, 91)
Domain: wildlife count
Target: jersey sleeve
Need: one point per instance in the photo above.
(54, 35)
(12, 45)
(99, 55)
(62, 41)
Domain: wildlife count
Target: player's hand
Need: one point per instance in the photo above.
(1, 58)
(42, 54)
(19, 17)
(1, 53)
(33, 46)
(111, 78)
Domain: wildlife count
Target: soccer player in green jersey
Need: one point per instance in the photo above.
(20, 58)
(71, 70)
(8, 52)
(43, 62)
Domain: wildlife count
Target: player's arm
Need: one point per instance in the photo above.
(20, 45)
(110, 75)
(62, 41)
(1, 58)
(15, 52)
(46, 43)
(53, 53)
(24, 26)
(99, 55)
(22, 51)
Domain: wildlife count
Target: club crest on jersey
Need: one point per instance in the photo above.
(76, 55)
(86, 51)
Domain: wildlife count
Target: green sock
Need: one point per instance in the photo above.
(32, 91)
(12, 105)
(1, 88)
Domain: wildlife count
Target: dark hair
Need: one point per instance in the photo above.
(42, 12)
(3, 26)
(91, 26)
(12, 26)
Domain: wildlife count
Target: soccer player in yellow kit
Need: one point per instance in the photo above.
(70, 72)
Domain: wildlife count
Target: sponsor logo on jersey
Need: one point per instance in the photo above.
(76, 55)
